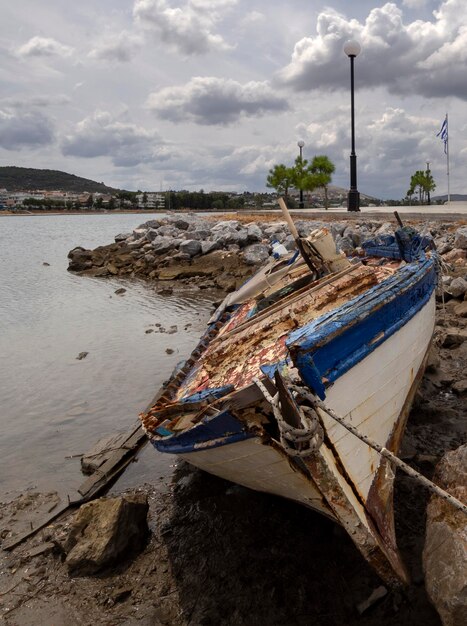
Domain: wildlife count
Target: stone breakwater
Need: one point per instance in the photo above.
(223, 253)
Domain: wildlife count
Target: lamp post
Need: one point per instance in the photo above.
(352, 49)
(300, 145)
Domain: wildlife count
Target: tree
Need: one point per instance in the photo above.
(421, 182)
(280, 178)
(300, 174)
(320, 175)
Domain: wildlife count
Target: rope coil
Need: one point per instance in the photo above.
(308, 437)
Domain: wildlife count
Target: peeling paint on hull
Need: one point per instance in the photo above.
(356, 339)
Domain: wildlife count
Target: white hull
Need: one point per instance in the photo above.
(370, 396)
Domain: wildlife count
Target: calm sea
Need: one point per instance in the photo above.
(53, 406)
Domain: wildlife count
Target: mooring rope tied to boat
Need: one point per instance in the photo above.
(392, 458)
(310, 436)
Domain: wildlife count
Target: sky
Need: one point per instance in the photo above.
(210, 94)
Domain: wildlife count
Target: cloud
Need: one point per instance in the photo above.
(126, 143)
(188, 29)
(210, 101)
(390, 146)
(119, 48)
(42, 101)
(422, 57)
(414, 4)
(24, 129)
(44, 47)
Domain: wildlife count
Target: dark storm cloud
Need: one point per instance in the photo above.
(101, 135)
(24, 129)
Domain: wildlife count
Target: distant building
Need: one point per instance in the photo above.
(151, 200)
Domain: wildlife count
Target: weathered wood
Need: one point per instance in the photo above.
(115, 463)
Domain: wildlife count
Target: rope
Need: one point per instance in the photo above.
(392, 458)
(308, 437)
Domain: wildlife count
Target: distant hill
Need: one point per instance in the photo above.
(29, 179)
(455, 197)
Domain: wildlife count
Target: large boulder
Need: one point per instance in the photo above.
(162, 245)
(445, 551)
(192, 247)
(255, 254)
(254, 233)
(460, 239)
(106, 531)
(80, 259)
(458, 287)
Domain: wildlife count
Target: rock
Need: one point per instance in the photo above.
(225, 226)
(455, 255)
(120, 291)
(201, 234)
(135, 245)
(151, 234)
(460, 238)
(208, 246)
(290, 243)
(179, 221)
(151, 224)
(454, 338)
(461, 309)
(168, 231)
(337, 229)
(345, 244)
(138, 233)
(122, 237)
(192, 247)
(80, 259)
(433, 360)
(226, 281)
(460, 386)
(353, 234)
(165, 244)
(81, 356)
(256, 253)
(458, 287)
(385, 229)
(445, 551)
(105, 532)
(254, 233)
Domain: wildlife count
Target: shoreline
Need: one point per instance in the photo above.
(222, 554)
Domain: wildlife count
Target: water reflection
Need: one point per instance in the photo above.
(53, 406)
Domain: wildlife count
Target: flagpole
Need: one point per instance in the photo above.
(447, 158)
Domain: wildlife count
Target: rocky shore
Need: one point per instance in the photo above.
(218, 553)
(210, 252)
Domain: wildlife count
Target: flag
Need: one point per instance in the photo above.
(443, 134)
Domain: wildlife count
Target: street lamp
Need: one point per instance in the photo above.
(352, 49)
(300, 145)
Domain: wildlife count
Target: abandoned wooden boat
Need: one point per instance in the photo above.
(311, 336)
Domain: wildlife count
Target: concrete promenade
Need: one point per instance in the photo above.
(453, 212)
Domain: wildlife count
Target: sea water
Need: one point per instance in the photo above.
(53, 406)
